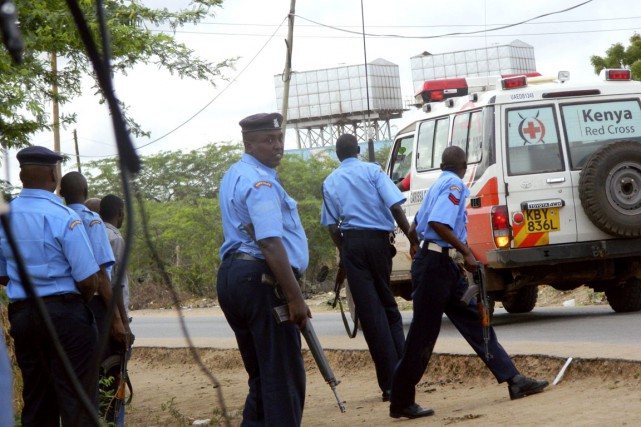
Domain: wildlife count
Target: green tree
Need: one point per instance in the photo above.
(48, 28)
(169, 175)
(618, 56)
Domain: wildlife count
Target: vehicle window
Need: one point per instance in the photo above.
(401, 159)
(475, 138)
(440, 139)
(460, 130)
(533, 141)
(425, 146)
(588, 127)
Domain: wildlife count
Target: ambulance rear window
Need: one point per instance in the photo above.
(533, 141)
(589, 126)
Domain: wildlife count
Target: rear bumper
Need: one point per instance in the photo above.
(564, 253)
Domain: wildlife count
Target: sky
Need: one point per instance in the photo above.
(255, 32)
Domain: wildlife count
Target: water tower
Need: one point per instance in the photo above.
(324, 104)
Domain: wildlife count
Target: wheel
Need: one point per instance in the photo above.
(521, 301)
(610, 189)
(625, 297)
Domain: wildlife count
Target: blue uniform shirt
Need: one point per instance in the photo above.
(250, 193)
(53, 244)
(359, 195)
(97, 234)
(444, 202)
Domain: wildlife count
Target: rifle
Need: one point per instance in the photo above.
(477, 288)
(340, 278)
(282, 315)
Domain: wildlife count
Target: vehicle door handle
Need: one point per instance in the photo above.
(555, 180)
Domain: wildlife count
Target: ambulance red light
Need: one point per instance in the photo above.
(619, 74)
(438, 90)
(514, 82)
(500, 226)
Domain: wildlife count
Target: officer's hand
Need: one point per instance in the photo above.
(299, 312)
(414, 249)
(470, 262)
(118, 331)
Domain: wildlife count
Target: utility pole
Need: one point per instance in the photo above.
(288, 63)
(56, 113)
(75, 141)
(370, 143)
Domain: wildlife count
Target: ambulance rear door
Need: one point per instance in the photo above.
(536, 175)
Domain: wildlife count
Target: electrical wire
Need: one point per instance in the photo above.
(450, 34)
(218, 94)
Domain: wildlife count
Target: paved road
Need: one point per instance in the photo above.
(589, 332)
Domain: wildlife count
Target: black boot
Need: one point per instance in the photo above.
(520, 386)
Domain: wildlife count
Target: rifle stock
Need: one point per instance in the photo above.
(483, 305)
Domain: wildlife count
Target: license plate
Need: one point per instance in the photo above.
(544, 220)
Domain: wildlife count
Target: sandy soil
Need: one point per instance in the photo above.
(171, 390)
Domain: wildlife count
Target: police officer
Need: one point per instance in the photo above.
(264, 244)
(58, 258)
(360, 206)
(74, 189)
(439, 285)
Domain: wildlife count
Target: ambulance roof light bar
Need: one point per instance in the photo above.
(615, 74)
(439, 90)
(514, 82)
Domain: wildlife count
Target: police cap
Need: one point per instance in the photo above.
(261, 122)
(37, 155)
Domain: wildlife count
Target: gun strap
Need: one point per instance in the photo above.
(337, 299)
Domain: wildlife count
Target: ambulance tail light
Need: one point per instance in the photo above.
(514, 82)
(501, 230)
(616, 74)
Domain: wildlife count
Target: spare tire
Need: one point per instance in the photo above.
(610, 188)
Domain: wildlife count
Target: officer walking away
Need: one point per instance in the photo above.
(264, 252)
(360, 206)
(58, 258)
(439, 285)
(74, 189)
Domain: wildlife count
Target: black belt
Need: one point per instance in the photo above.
(245, 257)
(367, 233)
(72, 298)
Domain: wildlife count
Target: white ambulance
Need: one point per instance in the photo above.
(554, 171)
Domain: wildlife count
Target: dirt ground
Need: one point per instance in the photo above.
(171, 390)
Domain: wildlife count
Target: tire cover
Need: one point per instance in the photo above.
(610, 188)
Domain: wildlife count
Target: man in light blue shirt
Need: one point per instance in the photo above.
(360, 206)
(58, 258)
(438, 286)
(264, 243)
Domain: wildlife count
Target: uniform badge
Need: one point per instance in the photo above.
(276, 123)
(455, 188)
(263, 183)
(94, 222)
(453, 199)
(73, 224)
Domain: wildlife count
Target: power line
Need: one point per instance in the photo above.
(450, 34)
(423, 26)
(208, 103)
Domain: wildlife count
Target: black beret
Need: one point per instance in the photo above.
(261, 122)
(36, 155)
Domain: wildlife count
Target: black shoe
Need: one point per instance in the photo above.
(521, 386)
(385, 395)
(412, 411)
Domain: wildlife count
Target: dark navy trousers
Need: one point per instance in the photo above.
(367, 260)
(271, 352)
(48, 395)
(438, 287)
